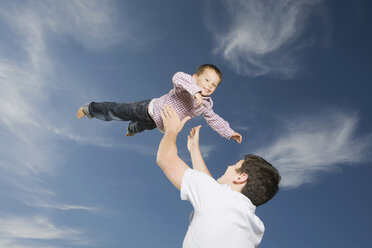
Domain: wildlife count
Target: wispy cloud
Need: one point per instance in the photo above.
(206, 150)
(66, 207)
(73, 135)
(33, 228)
(14, 230)
(29, 122)
(316, 144)
(30, 128)
(260, 37)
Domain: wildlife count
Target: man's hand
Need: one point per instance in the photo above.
(199, 98)
(193, 139)
(237, 136)
(171, 120)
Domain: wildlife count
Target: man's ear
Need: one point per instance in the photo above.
(241, 178)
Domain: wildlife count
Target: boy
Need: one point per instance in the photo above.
(189, 97)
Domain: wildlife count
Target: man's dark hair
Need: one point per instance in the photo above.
(263, 179)
(209, 66)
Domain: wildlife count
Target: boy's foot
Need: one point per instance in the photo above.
(129, 134)
(80, 113)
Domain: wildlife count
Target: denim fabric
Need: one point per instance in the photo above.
(135, 112)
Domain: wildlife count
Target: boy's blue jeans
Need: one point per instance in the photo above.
(136, 113)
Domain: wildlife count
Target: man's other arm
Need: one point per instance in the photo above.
(194, 149)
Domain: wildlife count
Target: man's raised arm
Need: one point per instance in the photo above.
(194, 149)
(167, 158)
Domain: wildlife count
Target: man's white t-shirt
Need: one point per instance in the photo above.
(222, 217)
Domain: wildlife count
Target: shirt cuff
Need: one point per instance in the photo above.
(229, 133)
(194, 88)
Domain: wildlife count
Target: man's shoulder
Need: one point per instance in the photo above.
(197, 177)
(199, 187)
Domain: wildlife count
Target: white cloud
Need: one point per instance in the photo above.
(30, 128)
(96, 24)
(312, 145)
(206, 150)
(66, 207)
(33, 228)
(260, 37)
(14, 230)
(67, 133)
(29, 123)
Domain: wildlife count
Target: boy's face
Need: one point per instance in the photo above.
(207, 81)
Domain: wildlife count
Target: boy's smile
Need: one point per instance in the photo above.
(207, 81)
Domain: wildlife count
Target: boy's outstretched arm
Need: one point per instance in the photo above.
(194, 149)
(167, 158)
(221, 126)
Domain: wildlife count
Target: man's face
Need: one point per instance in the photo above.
(231, 173)
(207, 81)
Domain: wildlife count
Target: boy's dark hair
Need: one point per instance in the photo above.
(263, 179)
(209, 66)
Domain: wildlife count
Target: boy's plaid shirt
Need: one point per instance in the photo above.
(181, 98)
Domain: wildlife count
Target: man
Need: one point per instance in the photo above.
(224, 210)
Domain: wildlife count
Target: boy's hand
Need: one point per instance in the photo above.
(171, 120)
(193, 138)
(199, 98)
(236, 136)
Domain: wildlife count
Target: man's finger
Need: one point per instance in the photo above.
(166, 110)
(171, 111)
(197, 129)
(186, 119)
(162, 114)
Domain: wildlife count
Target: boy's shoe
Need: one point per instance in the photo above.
(129, 134)
(80, 113)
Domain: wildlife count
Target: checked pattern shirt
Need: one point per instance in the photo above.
(181, 98)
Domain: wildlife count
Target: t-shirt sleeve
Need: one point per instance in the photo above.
(218, 124)
(199, 189)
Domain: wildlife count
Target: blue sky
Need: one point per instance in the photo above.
(296, 85)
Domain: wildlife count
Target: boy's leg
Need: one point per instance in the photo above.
(109, 111)
(137, 127)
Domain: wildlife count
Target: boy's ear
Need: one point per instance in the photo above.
(241, 178)
(195, 76)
